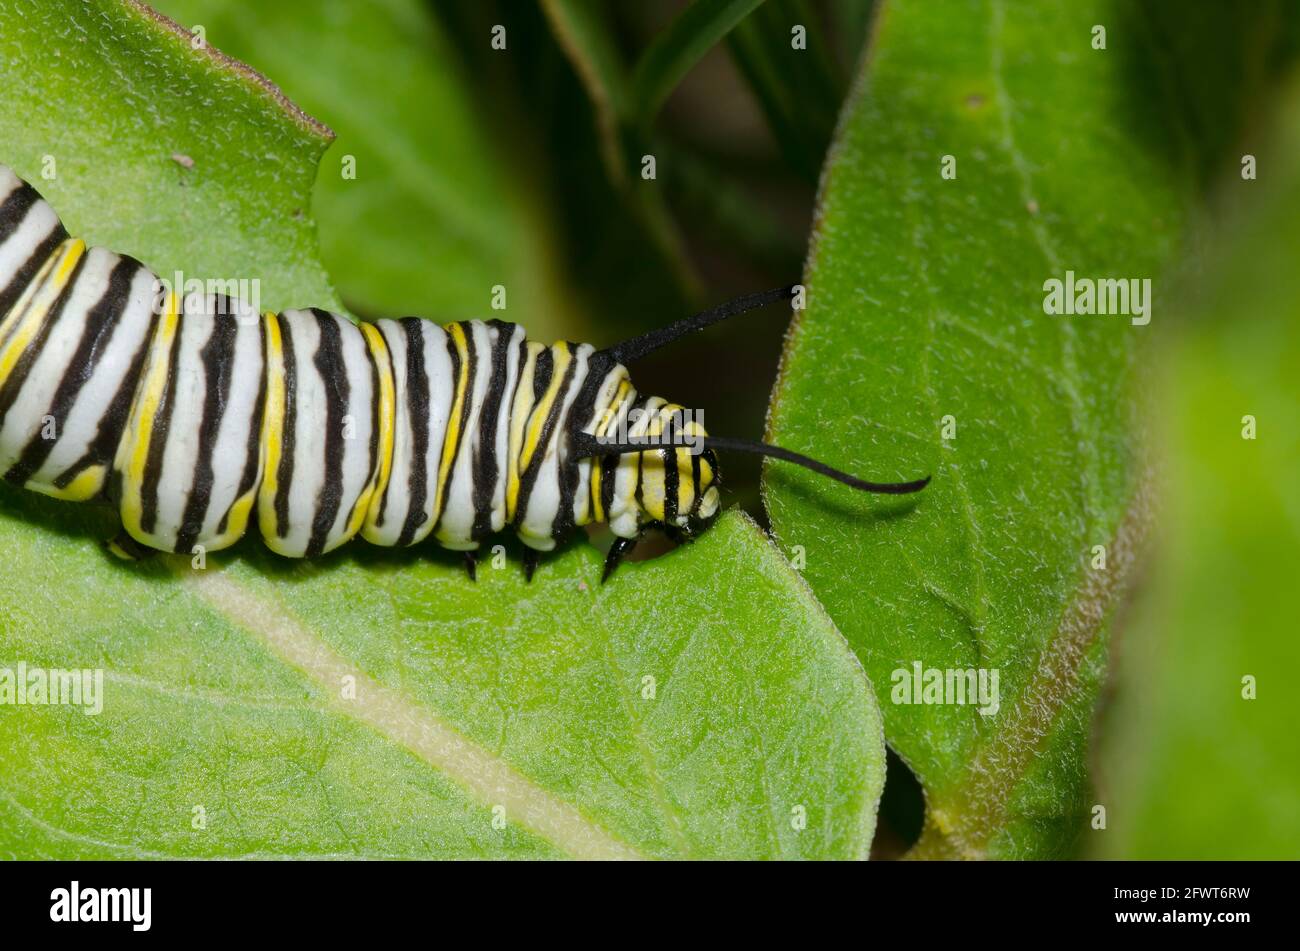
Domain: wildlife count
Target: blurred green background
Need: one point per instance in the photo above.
(1198, 742)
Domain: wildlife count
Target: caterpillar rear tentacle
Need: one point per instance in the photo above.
(196, 417)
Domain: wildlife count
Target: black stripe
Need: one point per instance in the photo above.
(417, 412)
(672, 478)
(288, 430)
(519, 377)
(542, 371)
(218, 358)
(528, 478)
(672, 482)
(514, 394)
(253, 450)
(579, 418)
(440, 487)
(609, 470)
(338, 391)
(487, 467)
(102, 321)
(608, 474)
(695, 482)
(470, 369)
(641, 404)
(709, 456)
(640, 481)
(13, 384)
(24, 275)
(112, 490)
(158, 435)
(112, 425)
(14, 209)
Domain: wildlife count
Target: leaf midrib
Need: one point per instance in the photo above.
(975, 808)
(970, 811)
(399, 720)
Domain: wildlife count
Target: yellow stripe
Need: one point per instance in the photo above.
(11, 319)
(272, 432)
(610, 416)
(633, 460)
(451, 441)
(71, 252)
(537, 421)
(681, 460)
(686, 483)
(652, 469)
(88, 483)
(236, 521)
(375, 491)
(523, 405)
(133, 451)
(118, 551)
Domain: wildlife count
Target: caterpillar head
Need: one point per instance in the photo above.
(652, 463)
(673, 483)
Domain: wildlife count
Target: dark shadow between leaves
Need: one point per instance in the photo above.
(902, 810)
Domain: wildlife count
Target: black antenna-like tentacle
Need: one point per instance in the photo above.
(586, 445)
(638, 347)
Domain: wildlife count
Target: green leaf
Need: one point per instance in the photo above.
(224, 689)
(694, 32)
(115, 168)
(925, 306)
(419, 213)
(373, 702)
(1201, 763)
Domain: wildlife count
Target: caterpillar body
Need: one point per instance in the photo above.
(196, 417)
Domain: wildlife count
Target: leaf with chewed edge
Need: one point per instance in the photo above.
(418, 210)
(372, 702)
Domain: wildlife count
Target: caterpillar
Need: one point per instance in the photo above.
(194, 417)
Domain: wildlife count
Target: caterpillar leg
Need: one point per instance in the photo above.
(123, 546)
(531, 557)
(675, 534)
(617, 552)
(471, 565)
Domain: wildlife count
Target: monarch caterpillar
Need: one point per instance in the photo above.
(191, 417)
